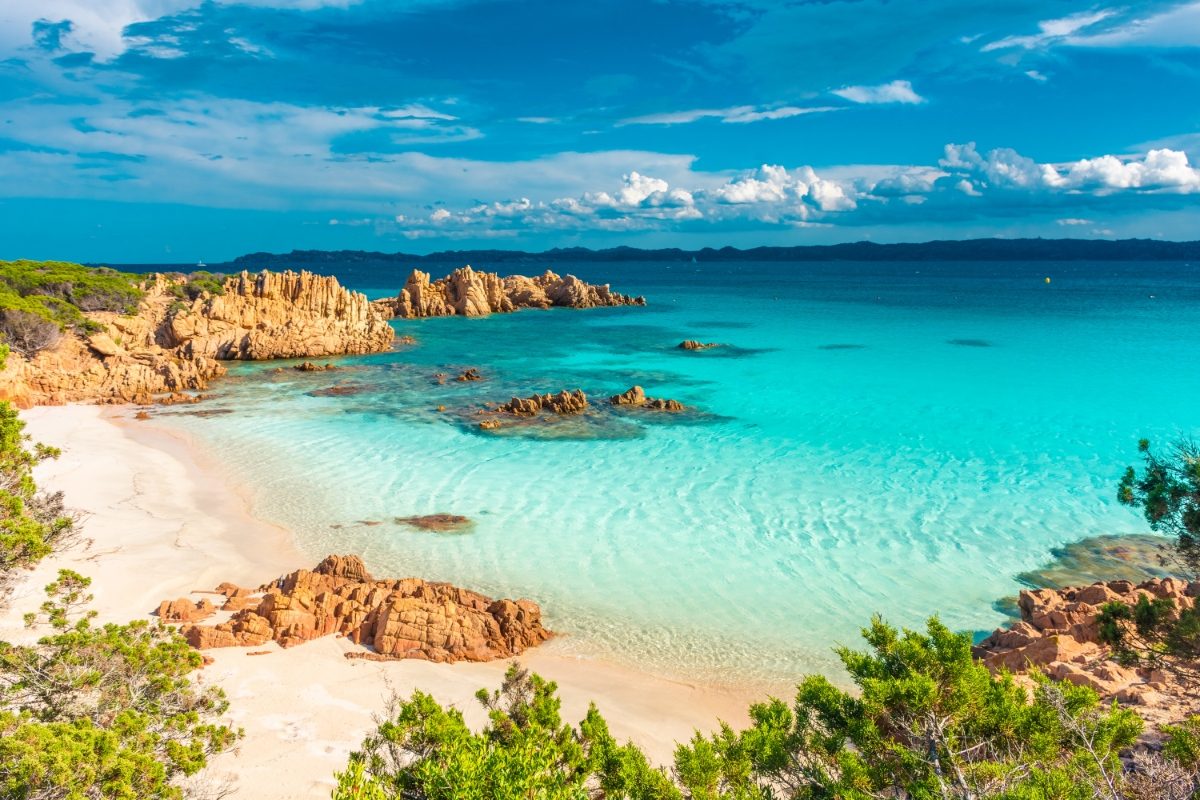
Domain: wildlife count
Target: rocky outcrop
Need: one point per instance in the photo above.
(468, 293)
(309, 366)
(692, 344)
(1058, 634)
(171, 346)
(279, 315)
(184, 610)
(468, 375)
(564, 402)
(398, 619)
(636, 397)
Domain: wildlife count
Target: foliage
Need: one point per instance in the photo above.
(32, 523)
(106, 711)
(423, 751)
(35, 295)
(193, 285)
(1156, 633)
(1168, 493)
(927, 721)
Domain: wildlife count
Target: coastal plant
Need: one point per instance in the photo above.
(102, 711)
(1167, 490)
(32, 523)
(926, 721)
(194, 284)
(422, 751)
(1156, 633)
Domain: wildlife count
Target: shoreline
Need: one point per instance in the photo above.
(163, 522)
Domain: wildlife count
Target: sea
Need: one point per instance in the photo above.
(895, 438)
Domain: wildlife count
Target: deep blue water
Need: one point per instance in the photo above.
(895, 437)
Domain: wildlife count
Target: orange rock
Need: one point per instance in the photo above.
(184, 610)
(406, 618)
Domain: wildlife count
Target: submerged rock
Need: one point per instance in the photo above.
(466, 292)
(469, 374)
(441, 523)
(692, 344)
(406, 618)
(309, 366)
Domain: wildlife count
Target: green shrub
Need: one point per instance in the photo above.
(193, 285)
(32, 523)
(37, 294)
(926, 721)
(102, 711)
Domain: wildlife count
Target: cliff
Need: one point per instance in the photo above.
(466, 292)
(171, 345)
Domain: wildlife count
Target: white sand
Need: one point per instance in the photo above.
(162, 522)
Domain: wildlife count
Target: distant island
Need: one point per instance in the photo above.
(962, 250)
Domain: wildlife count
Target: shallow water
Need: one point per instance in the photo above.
(901, 438)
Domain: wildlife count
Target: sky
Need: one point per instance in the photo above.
(178, 130)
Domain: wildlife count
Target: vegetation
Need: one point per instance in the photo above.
(192, 285)
(106, 711)
(41, 299)
(927, 721)
(1168, 492)
(32, 523)
(1154, 632)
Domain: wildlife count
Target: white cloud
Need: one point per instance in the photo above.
(1051, 31)
(1163, 169)
(1073, 221)
(1175, 27)
(894, 92)
(733, 114)
(1035, 75)
(97, 26)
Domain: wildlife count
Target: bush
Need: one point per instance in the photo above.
(32, 523)
(36, 295)
(926, 721)
(28, 333)
(102, 711)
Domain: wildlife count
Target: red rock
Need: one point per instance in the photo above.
(184, 610)
(407, 618)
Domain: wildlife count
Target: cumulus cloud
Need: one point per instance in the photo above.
(894, 92)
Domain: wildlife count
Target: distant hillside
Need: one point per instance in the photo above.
(967, 250)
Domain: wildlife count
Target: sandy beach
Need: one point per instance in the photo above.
(159, 520)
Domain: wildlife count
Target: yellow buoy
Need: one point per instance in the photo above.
(1047, 280)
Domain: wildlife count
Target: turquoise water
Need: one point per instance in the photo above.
(901, 438)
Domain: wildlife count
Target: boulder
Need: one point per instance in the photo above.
(405, 618)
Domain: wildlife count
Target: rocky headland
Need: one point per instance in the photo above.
(1059, 634)
(470, 293)
(171, 344)
(407, 618)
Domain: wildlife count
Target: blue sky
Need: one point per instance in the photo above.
(178, 130)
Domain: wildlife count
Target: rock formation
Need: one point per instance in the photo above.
(465, 292)
(564, 402)
(636, 397)
(406, 618)
(184, 610)
(309, 366)
(442, 523)
(279, 315)
(1058, 633)
(469, 374)
(170, 346)
(692, 344)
